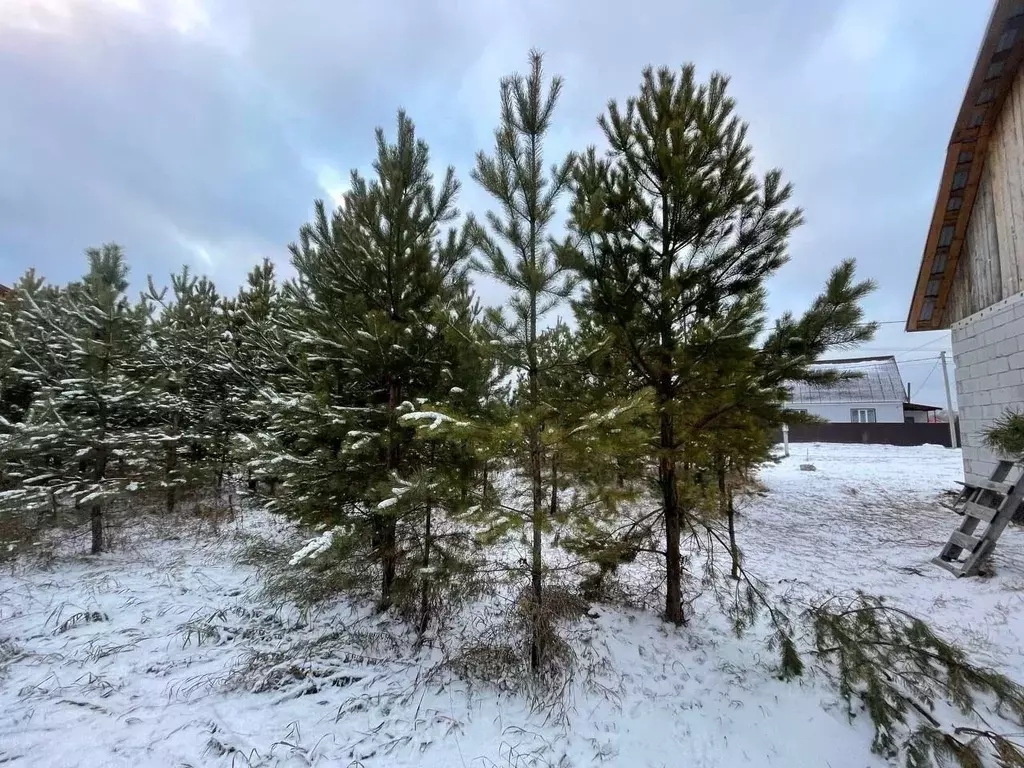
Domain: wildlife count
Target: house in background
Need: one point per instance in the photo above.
(875, 394)
(972, 272)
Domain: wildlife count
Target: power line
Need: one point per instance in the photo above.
(871, 363)
(926, 344)
(903, 349)
(891, 322)
(881, 351)
(921, 385)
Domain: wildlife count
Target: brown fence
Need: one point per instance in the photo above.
(883, 433)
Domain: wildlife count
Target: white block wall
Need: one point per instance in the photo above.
(988, 350)
(840, 412)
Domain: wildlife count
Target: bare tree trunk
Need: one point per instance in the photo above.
(734, 550)
(673, 522)
(465, 477)
(537, 559)
(386, 523)
(51, 498)
(425, 581)
(725, 509)
(537, 483)
(96, 517)
(96, 512)
(171, 464)
(554, 488)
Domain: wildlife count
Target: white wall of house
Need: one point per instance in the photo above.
(840, 412)
(919, 417)
(988, 349)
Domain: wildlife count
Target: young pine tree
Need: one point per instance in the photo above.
(81, 438)
(187, 374)
(675, 230)
(519, 254)
(255, 359)
(376, 282)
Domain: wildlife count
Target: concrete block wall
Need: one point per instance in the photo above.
(988, 351)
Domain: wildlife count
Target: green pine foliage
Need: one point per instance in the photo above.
(676, 239)
(110, 405)
(189, 386)
(517, 250)
(1006, 435)
(82, 440)
(373, 325)
(256, 362)
(21, 344)
(893, 666)
(595, 438)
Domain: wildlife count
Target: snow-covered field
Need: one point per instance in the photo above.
(140, 658)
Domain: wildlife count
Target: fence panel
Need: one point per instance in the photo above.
(879, 432)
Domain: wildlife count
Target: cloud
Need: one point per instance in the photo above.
(861, 31)
(200, 131)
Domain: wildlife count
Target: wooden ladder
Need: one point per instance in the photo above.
(991, 503)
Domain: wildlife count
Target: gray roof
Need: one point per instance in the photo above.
(879, 382)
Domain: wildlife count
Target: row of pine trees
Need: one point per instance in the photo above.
(372, 398)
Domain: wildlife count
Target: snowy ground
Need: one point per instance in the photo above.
(141, 658)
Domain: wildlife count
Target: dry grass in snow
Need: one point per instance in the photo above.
(168, 653)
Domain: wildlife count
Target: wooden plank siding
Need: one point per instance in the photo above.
(969, 166)
(992, 263)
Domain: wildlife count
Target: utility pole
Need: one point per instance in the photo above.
(949, 401)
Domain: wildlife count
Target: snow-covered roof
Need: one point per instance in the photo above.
(879, 381)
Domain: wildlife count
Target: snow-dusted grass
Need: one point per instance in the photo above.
(868, 519)
(150, 656)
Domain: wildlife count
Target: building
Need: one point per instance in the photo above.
(873, 394)
(972, 272)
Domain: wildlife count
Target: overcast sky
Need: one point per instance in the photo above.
(200, 131)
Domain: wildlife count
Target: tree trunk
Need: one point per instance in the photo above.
(537, 560)
(554, 488)
(96, 512)
(97, 528)
(465, 477)
(388, 546)
(725, 509)
(425, 582)
(386, 522)
(536, 476)
(673, 522)
(55, 515)
(171, 458)
(734, 551)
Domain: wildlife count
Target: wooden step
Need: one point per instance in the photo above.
(994, 486)
(979, 511)
(963, 540)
